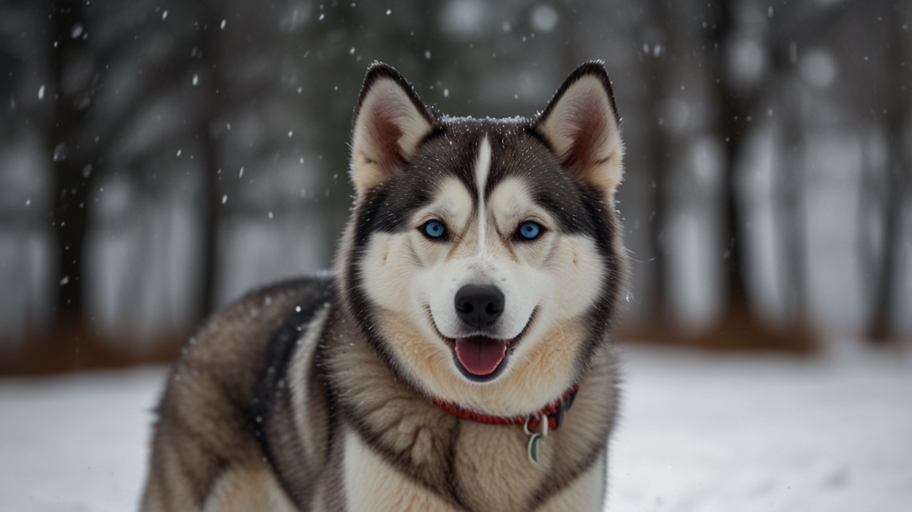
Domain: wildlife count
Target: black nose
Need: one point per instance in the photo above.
(479, 305)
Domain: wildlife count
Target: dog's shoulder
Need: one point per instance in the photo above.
(217, 373)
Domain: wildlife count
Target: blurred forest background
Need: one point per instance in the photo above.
(158, 158)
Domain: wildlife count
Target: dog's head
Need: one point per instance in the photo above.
(483, 258)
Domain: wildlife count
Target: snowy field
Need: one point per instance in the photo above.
(697, 433)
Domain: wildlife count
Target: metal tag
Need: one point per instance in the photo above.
(532, 449)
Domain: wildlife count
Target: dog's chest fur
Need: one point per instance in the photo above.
(395, 450)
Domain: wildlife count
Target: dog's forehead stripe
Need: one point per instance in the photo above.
(483, 164)
(482, 170)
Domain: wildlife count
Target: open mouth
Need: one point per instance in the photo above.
(480, 355)
(482, 358)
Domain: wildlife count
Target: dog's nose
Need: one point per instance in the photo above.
(479, 305)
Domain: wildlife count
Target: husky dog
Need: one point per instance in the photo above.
(435, 368)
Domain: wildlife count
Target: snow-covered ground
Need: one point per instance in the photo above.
(697, 433)
(76, 443)
(729, 433)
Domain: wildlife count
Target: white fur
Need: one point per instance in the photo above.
(482, 170)
(372, 484)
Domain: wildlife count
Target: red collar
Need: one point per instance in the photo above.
(553, 411)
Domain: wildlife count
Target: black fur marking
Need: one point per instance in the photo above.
(393, 220)
(607, 238)
(360, 306)
(570, 219)
(279, 353)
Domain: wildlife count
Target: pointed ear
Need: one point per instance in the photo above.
(581, 124)
(390, 122)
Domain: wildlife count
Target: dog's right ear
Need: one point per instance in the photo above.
(390, 122)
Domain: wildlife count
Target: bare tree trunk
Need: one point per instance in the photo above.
(659, 71)
(214, 92)
(734, 110)
(69, 92)
(210, 221)
(792, 220)
(897, 178)
(740, 327)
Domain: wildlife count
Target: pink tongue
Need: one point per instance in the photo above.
(480, 355)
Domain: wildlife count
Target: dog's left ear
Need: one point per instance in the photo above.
(390, 122)
(581, 124)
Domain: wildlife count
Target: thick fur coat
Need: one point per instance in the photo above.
(482, 267)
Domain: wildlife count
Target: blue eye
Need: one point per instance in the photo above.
(529, 230)
(434, 229)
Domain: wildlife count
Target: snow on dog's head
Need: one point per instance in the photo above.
(484, 257)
